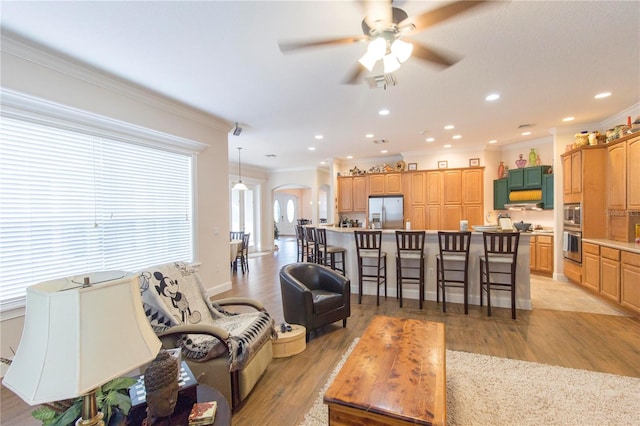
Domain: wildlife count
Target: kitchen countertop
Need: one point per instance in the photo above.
(632, 247)
(428, 232)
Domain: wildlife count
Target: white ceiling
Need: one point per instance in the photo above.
(547, 60)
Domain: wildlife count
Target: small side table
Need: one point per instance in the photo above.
(181, 413)
(291, 342)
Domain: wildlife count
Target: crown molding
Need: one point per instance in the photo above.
(59, 62)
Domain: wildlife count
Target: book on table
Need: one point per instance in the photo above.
(203, 413)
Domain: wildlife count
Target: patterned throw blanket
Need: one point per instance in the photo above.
(173, 295)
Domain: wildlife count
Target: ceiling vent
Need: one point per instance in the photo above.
(271, 155)
(380, 141)
(524, 126)
(381, 81)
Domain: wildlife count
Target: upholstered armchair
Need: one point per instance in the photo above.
(226, 350)
(314, 295)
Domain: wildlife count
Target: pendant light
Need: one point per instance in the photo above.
(239, 186)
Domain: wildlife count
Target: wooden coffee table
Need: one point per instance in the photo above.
(395, 375)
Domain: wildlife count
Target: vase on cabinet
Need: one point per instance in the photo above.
(533, 157)
(501, 170)
(521, 162)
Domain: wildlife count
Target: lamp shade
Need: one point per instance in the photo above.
(390, 63)
(402, 50)
(77, 338)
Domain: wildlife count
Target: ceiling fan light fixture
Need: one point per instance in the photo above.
(402, 50)
(391, 63)
(368, 61)
(377, 48)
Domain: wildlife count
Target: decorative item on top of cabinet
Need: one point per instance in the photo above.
(521, 162)
(501, 170)
(533, 157)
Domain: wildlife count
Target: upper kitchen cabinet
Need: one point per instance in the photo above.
(584, 181)
(352, 194)
(527, 177)
(623, 174)
(385, 184)
(500, 193)
(415, 198)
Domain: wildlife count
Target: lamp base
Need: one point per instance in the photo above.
(90, 414)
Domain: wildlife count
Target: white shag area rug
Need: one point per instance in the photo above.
(486, 390)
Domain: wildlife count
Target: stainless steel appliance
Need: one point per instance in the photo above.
(387, 210)
(572, 215)
(572, 233)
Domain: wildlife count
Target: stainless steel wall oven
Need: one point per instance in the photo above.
(572, 233)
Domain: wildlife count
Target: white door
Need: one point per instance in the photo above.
(285, 213)
(242, 213)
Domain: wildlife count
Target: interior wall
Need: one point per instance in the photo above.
(42, 74)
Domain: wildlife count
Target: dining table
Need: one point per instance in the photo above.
(234, 248)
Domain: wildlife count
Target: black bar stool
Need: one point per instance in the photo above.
(452, 265)
(300, 242)
(499, 260)
(327, 254)
(371, 256)
(310, 237)
(410, 261)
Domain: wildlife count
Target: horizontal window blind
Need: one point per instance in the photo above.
(72, 203)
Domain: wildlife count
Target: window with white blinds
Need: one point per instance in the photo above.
(72, 203)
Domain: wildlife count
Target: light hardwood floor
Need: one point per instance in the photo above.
(555, 332)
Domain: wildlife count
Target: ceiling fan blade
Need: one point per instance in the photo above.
(433, 55)
(354, 76)
(437, 15)
(286, 47)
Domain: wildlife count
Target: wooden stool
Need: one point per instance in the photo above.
(500, 253)
(410, 261)
(327, 254)
(291, 342)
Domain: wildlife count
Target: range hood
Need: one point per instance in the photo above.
(533, 205)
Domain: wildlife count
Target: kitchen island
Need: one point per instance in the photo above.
(343, 237)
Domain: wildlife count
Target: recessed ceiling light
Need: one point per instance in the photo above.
(568, 119)
(446, 146)
(449, 127)
(368, 135)
(493, 97)
(430, 139)
(319, 136)
(526, 133)
(493, 141)
(323, 162)
(457, 136)
(384, 151)
(383, 112)
(602, 95)
(349, 157)
(312, 148)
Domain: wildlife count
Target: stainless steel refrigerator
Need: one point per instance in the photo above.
(387, 211)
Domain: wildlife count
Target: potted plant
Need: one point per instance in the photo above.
(112, 400)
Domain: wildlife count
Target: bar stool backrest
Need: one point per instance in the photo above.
(502, 246)
(368, 243)
(454, 243)
(410, 243)
(235, 235)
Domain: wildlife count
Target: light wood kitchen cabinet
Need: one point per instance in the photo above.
(573, 271)
(415, 199)
(452, 193)
(385, 184)
(584, 181)
(591, 266)
(541, 247)
(630, 281)
(610, 273)
(434, 200)
(617, 177)
(352, 194)
(633, 173)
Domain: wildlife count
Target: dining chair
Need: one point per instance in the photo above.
(498, 266)
(452, 265)
(410, 262)
(372, 262)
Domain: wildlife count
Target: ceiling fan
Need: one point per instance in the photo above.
(387, 28)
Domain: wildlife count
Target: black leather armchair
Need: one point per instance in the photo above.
(314, 295)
